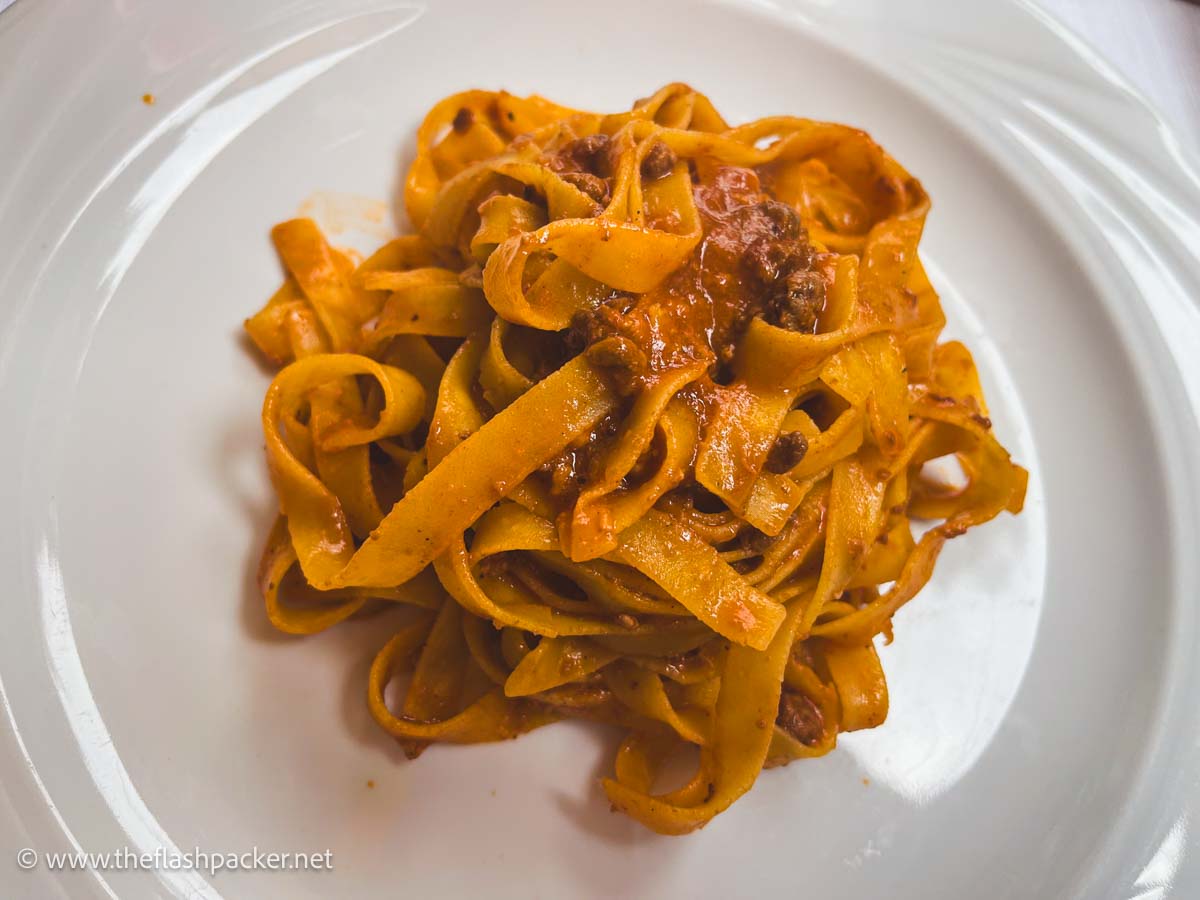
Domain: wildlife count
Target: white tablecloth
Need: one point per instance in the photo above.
(1155, 44)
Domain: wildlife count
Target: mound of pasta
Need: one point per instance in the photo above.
(636, 423)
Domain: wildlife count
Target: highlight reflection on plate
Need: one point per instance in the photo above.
(962, 645)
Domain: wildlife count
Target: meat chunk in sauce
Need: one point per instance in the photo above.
(658, 161)
(797, 304)
(613, 338)
(787, 452)
(592, 185)
(800, 717)
(578, 464)
(785, 219)
(752, 260)
(620, 358)
(588, 154)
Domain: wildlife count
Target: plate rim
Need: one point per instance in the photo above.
(1172, 161)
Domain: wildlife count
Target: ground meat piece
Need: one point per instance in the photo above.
(787, 451)
(623, 362)
(800, 717)
(783, 217)
(769, 260)
(567, 473)
(572, 469)
(590, 325)
(593, 186)
(463, 120)
(589, 154)
(658, 161)
(798, 305)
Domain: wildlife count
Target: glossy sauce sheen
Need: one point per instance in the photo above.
(750, 244)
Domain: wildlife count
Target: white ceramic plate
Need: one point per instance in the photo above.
(1042, 739)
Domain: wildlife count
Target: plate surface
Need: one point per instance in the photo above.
(1043, 728)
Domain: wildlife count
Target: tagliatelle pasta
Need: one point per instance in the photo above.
(636, 422)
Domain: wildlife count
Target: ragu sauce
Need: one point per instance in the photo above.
(752, 260)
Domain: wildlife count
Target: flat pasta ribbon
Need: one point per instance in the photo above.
(634, 428)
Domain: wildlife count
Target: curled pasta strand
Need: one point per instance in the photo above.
(640, 425)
